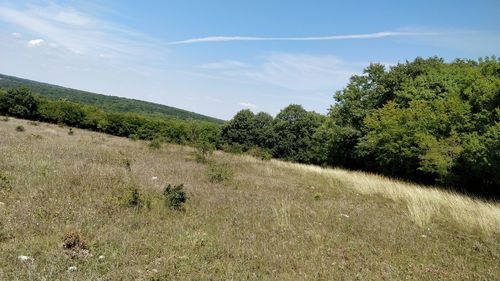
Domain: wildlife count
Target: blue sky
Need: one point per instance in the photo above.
(217, 57)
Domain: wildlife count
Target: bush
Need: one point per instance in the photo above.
(20, 128)
(203, 151)
(71, 132)
(220, 173)
(175, 196)
(131, 197)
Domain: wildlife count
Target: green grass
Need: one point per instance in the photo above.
(104, 102)
(267, 223)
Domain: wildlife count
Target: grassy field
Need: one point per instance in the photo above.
(263, 220)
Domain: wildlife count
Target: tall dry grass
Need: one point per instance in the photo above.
(423, 203)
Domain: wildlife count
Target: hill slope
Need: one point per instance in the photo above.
(272, 221)
(104, 102)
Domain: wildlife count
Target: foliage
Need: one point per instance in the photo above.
(19, 103)
(175, 196)
(20, 128)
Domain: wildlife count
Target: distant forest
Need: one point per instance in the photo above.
(426, 121)
(106, 103)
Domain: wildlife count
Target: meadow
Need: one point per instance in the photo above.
(81, 205)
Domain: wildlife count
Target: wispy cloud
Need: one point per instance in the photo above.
(248, 105)
(293, 71)
(226, 64)
(78, 33)
(213, 39)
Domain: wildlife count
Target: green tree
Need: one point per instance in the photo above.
(294, 128)
(19, 103)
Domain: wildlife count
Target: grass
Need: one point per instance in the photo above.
(273, 221)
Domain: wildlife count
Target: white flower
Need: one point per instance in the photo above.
(101, 257)
(154, 178)
(344, 215)
(423, 236)
(72, 268)
(24, 258)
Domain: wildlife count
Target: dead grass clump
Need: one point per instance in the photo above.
(20, 128)
(75, 245)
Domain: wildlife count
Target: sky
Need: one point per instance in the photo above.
(218, 57)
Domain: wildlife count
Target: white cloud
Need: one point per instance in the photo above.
(212, 39)
(248, 105)
(17, 35)
(36, 43)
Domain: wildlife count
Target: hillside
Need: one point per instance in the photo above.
(104, 102)
(63, 217)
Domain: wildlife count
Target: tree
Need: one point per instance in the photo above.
(294, 128)
(240, 129)
(19, 103)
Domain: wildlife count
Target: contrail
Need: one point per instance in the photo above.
(213, 39)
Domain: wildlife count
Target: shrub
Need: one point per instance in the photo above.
(131, 197)
(20, 128)
(175, 196)
(203, 151)
(220, 173)
(155, 144)
(71, 132)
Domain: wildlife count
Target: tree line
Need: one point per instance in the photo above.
(22, 103)
(427, 121)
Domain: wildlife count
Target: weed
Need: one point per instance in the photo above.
(4, 118)
(317, 196)
(20, 128)
(220, 173)
(175, 196)
(5, 184)
(71, 132)
(131, 197)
